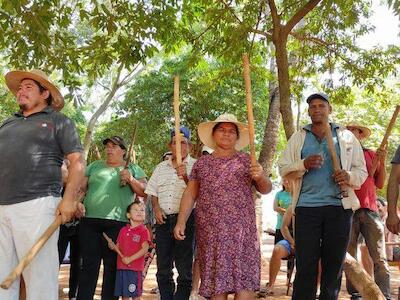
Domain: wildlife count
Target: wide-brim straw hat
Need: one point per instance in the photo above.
(205, 131)
(14, 78)
(365, 131)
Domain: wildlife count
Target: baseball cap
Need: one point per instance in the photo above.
(318, 95)
(184, 131)
(116, 140)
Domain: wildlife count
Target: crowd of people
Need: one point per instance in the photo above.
(198, 215)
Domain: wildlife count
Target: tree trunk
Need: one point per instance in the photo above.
(93, 120)
(284, 84)
(271, 133)
(361, 280)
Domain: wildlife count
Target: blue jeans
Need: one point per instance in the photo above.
(170, 251)
(320, 233)
(370, 225)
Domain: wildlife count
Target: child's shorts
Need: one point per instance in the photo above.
(128, 283)
(285, 244)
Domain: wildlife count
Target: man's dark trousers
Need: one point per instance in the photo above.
(320, 233)
(170, 251)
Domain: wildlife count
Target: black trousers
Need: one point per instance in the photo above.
(94, 248)
(170, 251)
(70, 235)
(320, 233)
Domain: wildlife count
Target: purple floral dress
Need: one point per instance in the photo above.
(226, 233)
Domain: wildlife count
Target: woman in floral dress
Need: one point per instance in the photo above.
(226, 233)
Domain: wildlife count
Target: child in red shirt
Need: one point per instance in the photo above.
(132, 243)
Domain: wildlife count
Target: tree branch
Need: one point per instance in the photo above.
(300, 14)
(327, 45)
(263, 33)
(231, 11)
(130, 75)
(276, 20)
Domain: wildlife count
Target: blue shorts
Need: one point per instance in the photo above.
(285, 244)
(128, 283)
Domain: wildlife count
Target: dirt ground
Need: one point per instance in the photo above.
(280, 285)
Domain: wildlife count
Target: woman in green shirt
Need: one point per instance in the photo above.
(110, 189)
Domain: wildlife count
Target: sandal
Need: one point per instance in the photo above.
(267, 291)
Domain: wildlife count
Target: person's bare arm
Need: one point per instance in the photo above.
(287, 220)
(68, 205)
(187, 203)
(393, 221)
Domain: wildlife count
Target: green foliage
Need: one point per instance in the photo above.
(207, 89)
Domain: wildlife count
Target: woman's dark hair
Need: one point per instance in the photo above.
(219, 124)
(136, 202)
(41, 90)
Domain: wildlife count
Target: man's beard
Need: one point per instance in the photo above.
(23, 107)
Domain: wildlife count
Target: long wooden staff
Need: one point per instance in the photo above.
(335, 159)
(31, 254)
(109, 240)
(177, 121)
(385, 139)
(128, 154)
(250, 117)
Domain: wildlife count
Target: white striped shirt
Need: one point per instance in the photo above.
(165, 184)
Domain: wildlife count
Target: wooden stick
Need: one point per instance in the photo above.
(128, 153)
(128, 159)
(97, 152)
(31, 253)
(109, 240)
(364, 284)
(177, 122)
(250, 117)
(385, 139)
(335, 159)
(392, 243)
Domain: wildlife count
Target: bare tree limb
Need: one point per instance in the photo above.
(300, 14)
(276, 20)
(130, 75)
(103, 86)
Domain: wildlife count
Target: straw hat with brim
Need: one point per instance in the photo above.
(14, 78)
(365, 131)
(205, 131)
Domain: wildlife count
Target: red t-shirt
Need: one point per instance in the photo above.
(367, 193)
(130, 240)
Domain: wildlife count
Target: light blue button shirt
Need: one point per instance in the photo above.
(318, 186)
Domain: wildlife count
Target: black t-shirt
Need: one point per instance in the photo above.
(396, 158)
(31, 154)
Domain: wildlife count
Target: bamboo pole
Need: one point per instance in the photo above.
(31, 253)
(361, 280)
(335, 159)
(385, 139)
(249, 104)
(109, 240)
(177, 122)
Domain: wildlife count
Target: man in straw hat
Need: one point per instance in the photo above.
(33, 143)
(166, 186)
(323, 216)
(366, 220)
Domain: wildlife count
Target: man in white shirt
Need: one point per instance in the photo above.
(166, 186)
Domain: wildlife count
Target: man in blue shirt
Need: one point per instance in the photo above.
(323, 215)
